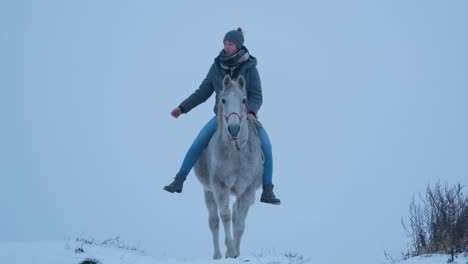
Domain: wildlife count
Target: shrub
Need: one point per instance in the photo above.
(438, 222)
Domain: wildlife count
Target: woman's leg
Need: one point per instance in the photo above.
(266, 148)
(267, 195)
(197, 147)
(193, 154)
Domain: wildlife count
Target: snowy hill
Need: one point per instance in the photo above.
(112, 251)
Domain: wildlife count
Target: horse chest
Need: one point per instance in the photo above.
(233, 163)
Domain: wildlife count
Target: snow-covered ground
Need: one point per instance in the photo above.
(79, 251)
(436, 259)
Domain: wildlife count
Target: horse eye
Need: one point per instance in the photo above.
(244, 101)
(223, 101)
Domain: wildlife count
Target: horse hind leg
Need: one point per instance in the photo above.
(213, 221)
(240, 210)
(222, 200)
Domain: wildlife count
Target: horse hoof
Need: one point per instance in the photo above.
(217, 256)
(231, 255)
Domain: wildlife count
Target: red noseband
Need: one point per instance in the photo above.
(233, 113)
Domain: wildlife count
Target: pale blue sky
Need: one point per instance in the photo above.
(365, 103)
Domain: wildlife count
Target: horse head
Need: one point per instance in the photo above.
(232, 112)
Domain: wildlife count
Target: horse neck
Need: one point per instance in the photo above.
(253, 132)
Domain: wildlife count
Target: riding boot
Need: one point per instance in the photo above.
(176, 185)
(268, 196)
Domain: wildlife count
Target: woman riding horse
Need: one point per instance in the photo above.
(234, 60)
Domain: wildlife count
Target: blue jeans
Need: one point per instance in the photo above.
(204, 137)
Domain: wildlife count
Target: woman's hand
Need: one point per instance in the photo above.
(176, 112)
(251, 117)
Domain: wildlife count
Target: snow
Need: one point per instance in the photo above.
(75, 252)
(78, 250)
(436, 259)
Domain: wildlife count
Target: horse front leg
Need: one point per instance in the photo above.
(241, 208)
(222, 200)
(213, 221)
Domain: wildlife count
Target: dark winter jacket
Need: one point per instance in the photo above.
(214, 83)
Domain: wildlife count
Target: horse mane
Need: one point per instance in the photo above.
(219, 114)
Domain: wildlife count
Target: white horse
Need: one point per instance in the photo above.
(232, 164)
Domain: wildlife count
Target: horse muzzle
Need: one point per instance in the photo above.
(233, 130)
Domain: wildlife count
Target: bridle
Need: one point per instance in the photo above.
(240, 116)
(241, 119)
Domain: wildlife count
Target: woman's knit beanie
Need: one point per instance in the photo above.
(236, 37)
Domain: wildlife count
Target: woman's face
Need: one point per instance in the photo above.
(229, 48)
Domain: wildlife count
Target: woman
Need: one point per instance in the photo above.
(234, 60)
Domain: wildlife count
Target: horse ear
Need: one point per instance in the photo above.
(226, 81)
(241, 81)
